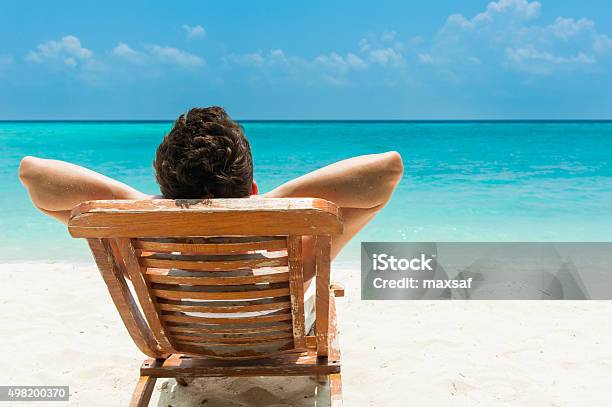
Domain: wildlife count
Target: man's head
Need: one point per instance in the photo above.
(205, 155)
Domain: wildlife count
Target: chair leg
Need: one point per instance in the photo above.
(335, 390)
(143, 391)
(181, 381)
(321, 378)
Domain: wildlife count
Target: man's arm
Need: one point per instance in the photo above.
(363, 182)
(55, 187)
(361, 186)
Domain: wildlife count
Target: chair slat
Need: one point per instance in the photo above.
(218, 288)
(228, 330)
(234, 320)
(244, 340)
(168, 277)
(296, 287)
(240, 351)
(220, 308)
(174, 294)
(177, 218)
(241, 338)
(183, 263)
(210, 248)
(243, 345)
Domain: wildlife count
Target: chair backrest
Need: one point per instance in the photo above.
(220, 278)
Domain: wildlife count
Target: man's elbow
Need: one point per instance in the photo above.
(28, 169)
(394, 166)
(392, 172)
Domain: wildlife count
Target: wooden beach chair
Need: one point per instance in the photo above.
(218, 285)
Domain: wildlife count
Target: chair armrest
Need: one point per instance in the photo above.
(337, 289)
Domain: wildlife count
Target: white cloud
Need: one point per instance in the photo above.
(384, 49)
(384, 52)
(123, 50)
(388, 35)
(274, 58)
(506, 33)
(68, 53)
(532, 60)
(510, 10)
(276, 65)
(166, 55)
(426, 58)
(603, 43)
(277, 57)
(249, 59)
(339, 63)
(175, 56)
(531, 53)
(521, 8)
(194, 31)
(354, 61)
(568, 27)
(499, 21)
(364, 45)
(528, 9)
(386, 56)
(68, 50)
(70, 62)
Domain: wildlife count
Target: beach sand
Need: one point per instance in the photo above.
(59, 327)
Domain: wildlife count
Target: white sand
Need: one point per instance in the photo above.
(59, 327)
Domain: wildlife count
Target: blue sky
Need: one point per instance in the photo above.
(446, 59)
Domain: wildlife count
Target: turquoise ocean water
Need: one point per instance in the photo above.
(465, 181)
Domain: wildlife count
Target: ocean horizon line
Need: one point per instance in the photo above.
(416, 121)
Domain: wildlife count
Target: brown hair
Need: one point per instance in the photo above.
(205, 155)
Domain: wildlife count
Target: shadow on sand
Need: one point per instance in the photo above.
(245, 391)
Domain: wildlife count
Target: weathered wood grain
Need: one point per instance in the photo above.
(322, 250)
(210, 248)
(143, 391)
(225, 303)
(225, 306)
(296, 288)
(168, 261)
(244, 217)
(304, 364)
(233, 320)
(120, 293)
(147, 302)
(175, 294)
(171, 277)
(229, 330)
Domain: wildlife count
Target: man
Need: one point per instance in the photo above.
(206, 155)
